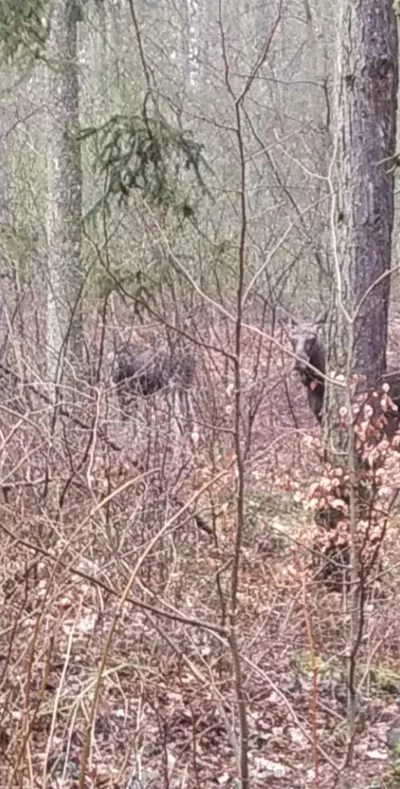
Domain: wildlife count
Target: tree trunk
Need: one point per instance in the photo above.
(65, 276)
(366, 114)
(366, 96)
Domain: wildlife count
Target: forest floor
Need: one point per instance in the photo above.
(117, 668)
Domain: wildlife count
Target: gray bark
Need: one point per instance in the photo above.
(367, 105)
(65, 276)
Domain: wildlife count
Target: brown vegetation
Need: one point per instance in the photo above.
(115, 603)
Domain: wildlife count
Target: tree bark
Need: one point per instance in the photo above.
(367, 106)
(367, 82)
(65, 275)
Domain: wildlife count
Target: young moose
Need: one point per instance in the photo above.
(309, 350)
(138, 372)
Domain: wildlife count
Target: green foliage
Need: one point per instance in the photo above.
(385, 679)
(396, 7)
(23, 27)
(394, 779)
(148, 154)
(326, 668)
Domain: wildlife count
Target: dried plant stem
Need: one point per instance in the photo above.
(314, 666)
(118, 610)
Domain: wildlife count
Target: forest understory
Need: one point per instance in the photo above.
(116, 559)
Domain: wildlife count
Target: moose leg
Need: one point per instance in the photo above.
(190, 406)
(185, 396)
(176, 410)
(122, 404)
(128, 407)
(188, 415)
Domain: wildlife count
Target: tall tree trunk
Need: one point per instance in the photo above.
(367, 82)
(65, 276)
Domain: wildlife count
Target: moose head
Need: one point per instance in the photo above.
(310, 363)
(310, 359)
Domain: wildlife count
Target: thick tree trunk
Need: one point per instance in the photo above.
(366, 94)
(367, 106)
(65, 278)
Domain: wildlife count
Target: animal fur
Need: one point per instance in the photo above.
(138, 372)
(309, 350)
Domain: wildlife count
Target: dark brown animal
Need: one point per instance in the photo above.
(137, 372)
(310, 353)
(309, 350)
